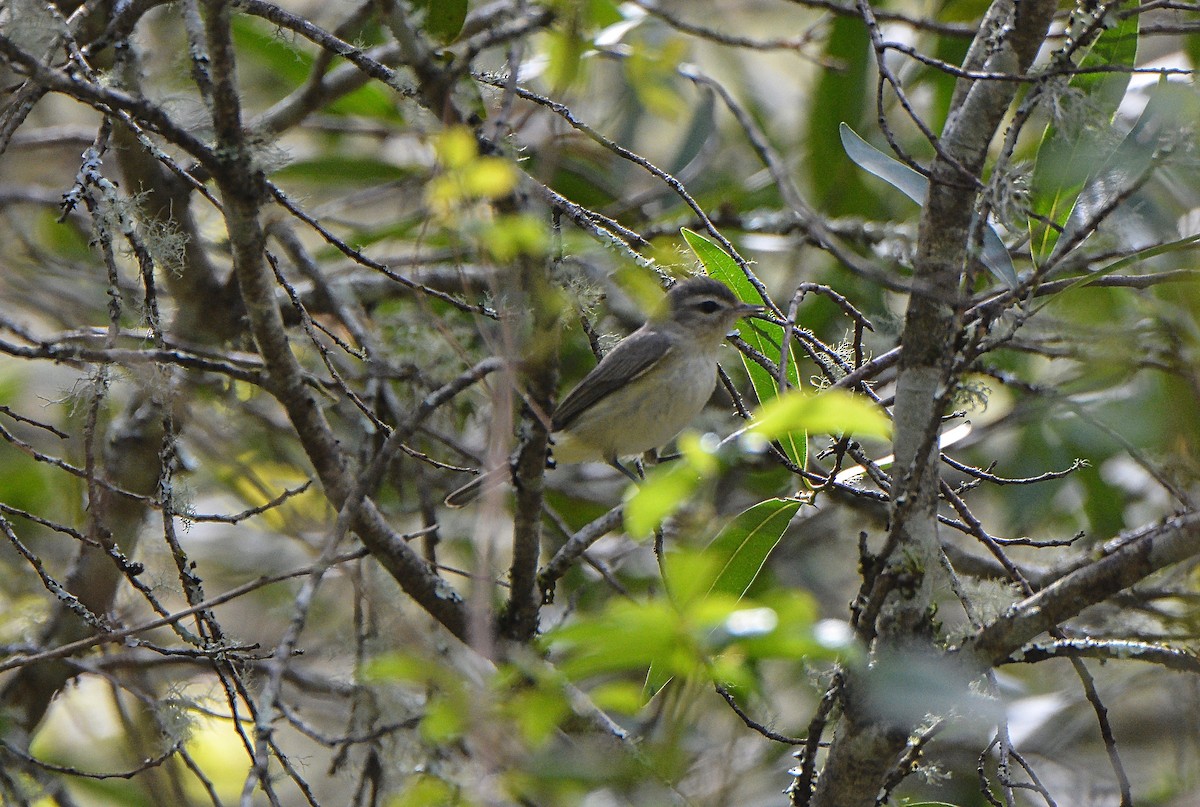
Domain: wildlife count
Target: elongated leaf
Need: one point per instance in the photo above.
(842, 94)
(1107, 196)
(1066, 164)
(1115, 47)
(911, 183)
(915, 186)
(701, 128)
(745, 544)
(765, 337)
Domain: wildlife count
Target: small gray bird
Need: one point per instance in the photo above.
(645, 390)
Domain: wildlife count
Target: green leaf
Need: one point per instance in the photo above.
(721, 266)
(408, 668)
(915, 186)
(651, 68)
(1181, 245)
(1067, 162)
(602, 13)
(516, 234)
(444, 720)
(537, 711)
(368, 101)
(622, 697)
(488, 178)
(426, 790)
(626, 636)
(793, 637)
(839, 95)
(744, 545)
(667, 487)
(262, 44)
(689, 574)
(443, 18)
(64, 238)
(950, 50)
(1110, 193)
(765, 337)
(1116, 46)
(564, 53)
(830, 412)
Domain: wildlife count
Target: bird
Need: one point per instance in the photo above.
(645, 390)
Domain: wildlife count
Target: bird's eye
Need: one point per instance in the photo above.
(708, 306)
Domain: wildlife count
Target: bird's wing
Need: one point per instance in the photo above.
(626, 362)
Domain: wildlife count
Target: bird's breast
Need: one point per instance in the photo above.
(646, 413)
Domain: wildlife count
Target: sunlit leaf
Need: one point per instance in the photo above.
(793, 637)
(602, 13)
(689, 575)
(455, 147)
(398, 667)
(621, 697)
(214, 748)
(514, 235)
(426, 790)
(668, 487)
(537, 711)
(625, 637)
(443, 193)
(268, 479)
(830, 412)
(489, 177)
(444, 720)
(640, 287)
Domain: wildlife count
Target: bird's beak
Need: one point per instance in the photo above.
(748, 310)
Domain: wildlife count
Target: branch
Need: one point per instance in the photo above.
(1148, 551)
(1108, 649)
(119, 636)
(569, 552)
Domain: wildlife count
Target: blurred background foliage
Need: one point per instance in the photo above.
(411, 279)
